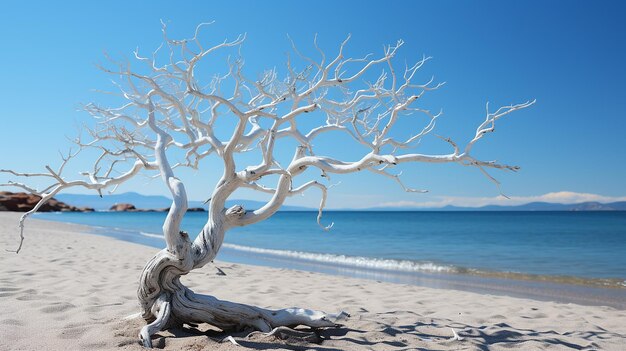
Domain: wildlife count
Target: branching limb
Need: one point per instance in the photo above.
(62, 184)
(324, 191)
(171, 227)
(488, 126)
(396, 177)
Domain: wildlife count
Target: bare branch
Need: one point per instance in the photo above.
(167, 105)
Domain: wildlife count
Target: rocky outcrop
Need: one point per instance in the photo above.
(191, 209)
(24, 202)
(123, 208)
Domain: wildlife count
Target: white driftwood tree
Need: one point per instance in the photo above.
(170, 108)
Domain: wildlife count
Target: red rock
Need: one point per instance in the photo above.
(24, 202)
(123, 207)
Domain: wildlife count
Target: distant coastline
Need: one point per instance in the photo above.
(154, 202)
(135, 202)
(531, 206)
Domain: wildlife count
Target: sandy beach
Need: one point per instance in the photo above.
(73, 291)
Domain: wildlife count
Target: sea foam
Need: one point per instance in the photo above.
(343, 260)
(350, 261)
(152, 235)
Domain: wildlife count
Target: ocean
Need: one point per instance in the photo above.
(520, 252)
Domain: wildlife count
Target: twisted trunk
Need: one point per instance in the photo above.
(167, 303)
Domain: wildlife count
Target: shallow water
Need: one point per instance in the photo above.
(577, 257)
(576, 244)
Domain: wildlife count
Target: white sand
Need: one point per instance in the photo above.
(71, 291)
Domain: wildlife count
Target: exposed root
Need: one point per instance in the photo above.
(198, 308)
(162, 309)
(193, 308)
(231, 340)
(166, 302)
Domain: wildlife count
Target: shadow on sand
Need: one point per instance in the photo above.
(379, 332)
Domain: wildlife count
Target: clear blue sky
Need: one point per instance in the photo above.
(569, 55)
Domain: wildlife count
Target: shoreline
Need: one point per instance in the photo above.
(563, 289)
(69, 290)
(519, 288)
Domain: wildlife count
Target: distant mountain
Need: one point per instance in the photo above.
(157, 201)
(531, 206)
(544, 206)
(150, 201)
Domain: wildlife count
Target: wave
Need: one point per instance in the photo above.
(351, 261)
(370, 263)
(152, 235)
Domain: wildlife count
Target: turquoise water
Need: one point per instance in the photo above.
(588, 245)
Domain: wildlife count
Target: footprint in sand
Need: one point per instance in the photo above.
(72, 333)
(57, 307)
(29, 295)
(14, 322)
